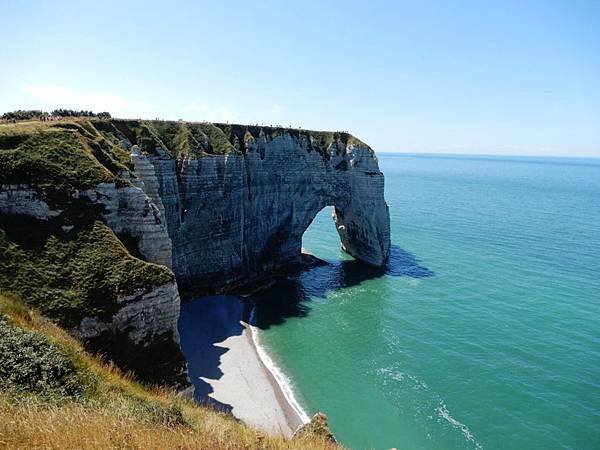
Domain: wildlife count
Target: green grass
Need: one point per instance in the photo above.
(320, 140)
(179, 138)
(59, 158)
(56, 161)
(69, 276)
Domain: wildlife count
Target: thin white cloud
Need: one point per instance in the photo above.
(56, 96)
(226, 114)
(196, 110)
(276, 109)
(197, 107)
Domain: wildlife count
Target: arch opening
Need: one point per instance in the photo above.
(321, 238)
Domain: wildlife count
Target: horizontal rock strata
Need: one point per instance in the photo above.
(218, 204)
(236, 216)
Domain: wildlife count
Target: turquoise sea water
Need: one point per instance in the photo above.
(485, 330)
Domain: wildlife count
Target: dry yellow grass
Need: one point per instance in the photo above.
(121, 414)
(74, 426)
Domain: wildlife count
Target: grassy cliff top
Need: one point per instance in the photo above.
(102, 139)
(54, 395)
(58, 158)
(199, 138)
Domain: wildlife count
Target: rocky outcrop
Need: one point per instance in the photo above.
(318, 426)
(218, 204)
(236, 216)
(142, 316)
(142, 336)
(132, 215)
(22, 199)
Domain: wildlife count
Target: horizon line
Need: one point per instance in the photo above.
(442, 153)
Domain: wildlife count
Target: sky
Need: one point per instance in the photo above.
(487, 77)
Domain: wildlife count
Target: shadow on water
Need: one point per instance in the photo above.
(403, 263)
(207, 321)
(290, 297)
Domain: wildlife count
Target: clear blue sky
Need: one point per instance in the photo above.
(458, 76)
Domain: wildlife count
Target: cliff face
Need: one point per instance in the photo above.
(236, 216)
(67, 206)
(121, 213)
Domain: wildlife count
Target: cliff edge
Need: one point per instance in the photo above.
(103, 222)
(237, 199)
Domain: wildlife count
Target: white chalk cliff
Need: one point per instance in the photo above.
(219, 205)
(232, 217)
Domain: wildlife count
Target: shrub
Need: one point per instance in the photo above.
(22, 114)
(30, 364)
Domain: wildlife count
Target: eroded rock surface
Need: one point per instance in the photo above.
(235, 216)
(218, 204)
(318, 426)
(22, 199)
(133, 215)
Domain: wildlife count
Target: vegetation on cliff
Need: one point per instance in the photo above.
(54, 395)
(195, 139)
(175, 138)
(86, 271)
(71, 275)
(58, 158)
(72, 265)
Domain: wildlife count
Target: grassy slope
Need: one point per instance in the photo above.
(57, 158)
(83, 151)
(79, 272)
(69, 276)
(90, 404)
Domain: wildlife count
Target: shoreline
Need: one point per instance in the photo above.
(279, 380)
(231, 370)
(295, 415)
(251, 389)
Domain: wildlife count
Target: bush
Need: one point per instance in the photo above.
(22, 114)
(30, 364)
(72, 113)
(28, 114)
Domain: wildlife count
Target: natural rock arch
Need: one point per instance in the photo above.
(234, 217)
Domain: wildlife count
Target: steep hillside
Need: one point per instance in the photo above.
(54, 395)
(61, 246)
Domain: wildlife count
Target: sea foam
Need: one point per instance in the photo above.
(282, 380)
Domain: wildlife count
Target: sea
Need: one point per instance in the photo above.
(484, 330)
